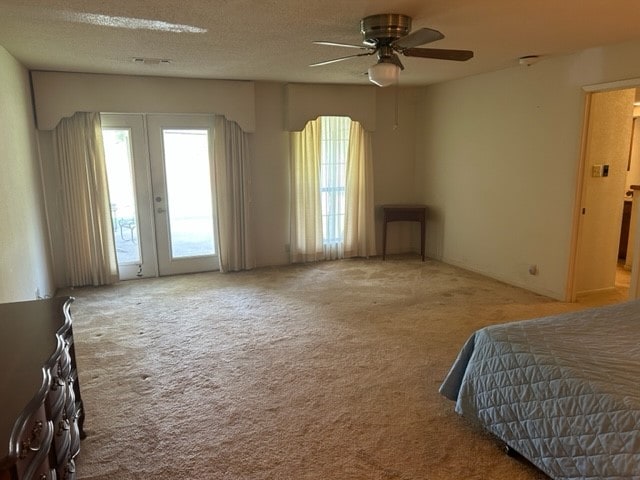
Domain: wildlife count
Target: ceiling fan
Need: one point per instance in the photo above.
(387, 35)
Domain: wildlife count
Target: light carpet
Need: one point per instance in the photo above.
(324, 371)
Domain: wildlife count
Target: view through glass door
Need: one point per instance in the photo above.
(127, 162)
(159, 174)
(180, 150)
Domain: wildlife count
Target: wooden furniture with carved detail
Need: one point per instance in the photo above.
(403, 213)
(41, 413)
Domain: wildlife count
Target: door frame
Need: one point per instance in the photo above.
(570, 289)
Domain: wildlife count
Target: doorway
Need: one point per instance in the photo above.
(604, 171)
(162, 200)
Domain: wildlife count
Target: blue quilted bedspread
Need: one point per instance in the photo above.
(563, 391)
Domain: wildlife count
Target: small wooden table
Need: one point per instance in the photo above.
(403, 213)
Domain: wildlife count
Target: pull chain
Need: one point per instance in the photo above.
(396, 108)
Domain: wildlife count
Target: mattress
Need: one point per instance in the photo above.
(563, 391)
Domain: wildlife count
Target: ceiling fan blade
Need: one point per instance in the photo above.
(417, 37)
(337, 44)
(327, 62)
(439, 53)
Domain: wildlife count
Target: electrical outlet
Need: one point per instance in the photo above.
(596, 171)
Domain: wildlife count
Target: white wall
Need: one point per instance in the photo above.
(498, 161)
(270, 177)
(394, 158)
(305, 102)
(24, 254)
(61, 94)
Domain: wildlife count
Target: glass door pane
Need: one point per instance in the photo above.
(127, 160)
(188, 196)
(180, 153)
(124, 215)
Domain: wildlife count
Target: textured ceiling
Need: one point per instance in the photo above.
(272, 39)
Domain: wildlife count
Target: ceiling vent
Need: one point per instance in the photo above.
(151, 61)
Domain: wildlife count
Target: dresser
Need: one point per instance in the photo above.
(41, 412)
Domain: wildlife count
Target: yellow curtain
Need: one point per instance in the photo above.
(359, 230)
(85, 209)
(306, 207)
(306, 210)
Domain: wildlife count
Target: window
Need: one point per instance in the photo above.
(334, 148)
(332, 191)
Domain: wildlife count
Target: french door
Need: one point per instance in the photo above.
(160, 185)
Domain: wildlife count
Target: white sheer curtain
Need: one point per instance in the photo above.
(306, 210)
(359, 229)
(308, 241)
(232, 182)
(84, 203)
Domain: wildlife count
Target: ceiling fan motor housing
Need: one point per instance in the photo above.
(384, 28)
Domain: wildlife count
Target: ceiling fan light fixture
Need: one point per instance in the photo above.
(384, 74)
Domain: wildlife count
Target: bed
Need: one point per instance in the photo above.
(563, 391)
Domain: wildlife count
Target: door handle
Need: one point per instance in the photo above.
(161, 210)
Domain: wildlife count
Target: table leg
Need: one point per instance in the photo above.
(384, 238)
(422, 226)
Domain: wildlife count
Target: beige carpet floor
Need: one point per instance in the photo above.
(326, 371)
